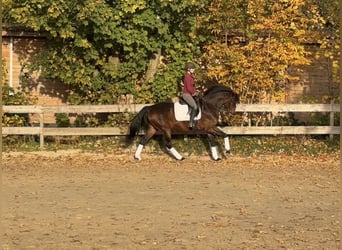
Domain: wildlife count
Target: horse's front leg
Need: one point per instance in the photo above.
(226, 144)
(213, 148)
(219, 132)
(225, 136)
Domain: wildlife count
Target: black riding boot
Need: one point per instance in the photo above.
(192, 118)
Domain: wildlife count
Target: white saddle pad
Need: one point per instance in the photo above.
(181, 112)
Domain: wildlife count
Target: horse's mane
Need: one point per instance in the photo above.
(214, 89)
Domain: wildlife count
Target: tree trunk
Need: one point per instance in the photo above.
(153, 66)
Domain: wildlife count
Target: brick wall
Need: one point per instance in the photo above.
(20, 49)
(315, 81)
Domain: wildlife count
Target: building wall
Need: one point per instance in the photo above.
(314, 81)
(20, 49)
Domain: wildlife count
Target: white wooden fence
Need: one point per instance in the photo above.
(42, 130)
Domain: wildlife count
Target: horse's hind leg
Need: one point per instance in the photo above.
(149, 133)
(170, 148)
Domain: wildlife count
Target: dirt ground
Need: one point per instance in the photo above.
(75, 200)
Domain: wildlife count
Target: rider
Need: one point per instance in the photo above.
(189, 91)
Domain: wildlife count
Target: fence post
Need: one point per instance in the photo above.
(41, 130)
(331, 122)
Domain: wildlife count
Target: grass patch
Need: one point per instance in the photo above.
(290, 145)
(197, 145)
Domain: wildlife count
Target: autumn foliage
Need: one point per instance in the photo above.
(103, 49)
(258, 44)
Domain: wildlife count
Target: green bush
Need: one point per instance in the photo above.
(14, 97)
(62, 120)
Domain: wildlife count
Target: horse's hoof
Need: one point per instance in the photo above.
(228, 152)
(137, 158)
(218, 159)
(179, 159)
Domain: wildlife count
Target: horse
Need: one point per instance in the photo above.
(160, 117)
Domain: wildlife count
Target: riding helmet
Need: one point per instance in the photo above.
(190, 66)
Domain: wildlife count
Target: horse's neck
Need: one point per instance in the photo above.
(215, 102)
(210, 108)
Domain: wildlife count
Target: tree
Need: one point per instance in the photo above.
(104, 48)
(254, 49)
(329, 39)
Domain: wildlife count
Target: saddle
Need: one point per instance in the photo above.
(182, 110)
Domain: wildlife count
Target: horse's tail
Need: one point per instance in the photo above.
(139, 122)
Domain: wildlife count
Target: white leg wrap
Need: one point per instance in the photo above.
(175, 153)
(138, 152)
(226, 144)
(214, 153)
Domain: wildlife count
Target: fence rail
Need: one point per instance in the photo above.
(42, 130)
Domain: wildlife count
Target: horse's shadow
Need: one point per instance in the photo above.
(203, 140)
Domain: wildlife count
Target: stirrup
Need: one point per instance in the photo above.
(191, 124)
(194, 125)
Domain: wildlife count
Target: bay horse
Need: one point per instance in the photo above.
(160, 117)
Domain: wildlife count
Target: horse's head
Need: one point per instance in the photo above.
(232, 101)
(222, 97)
